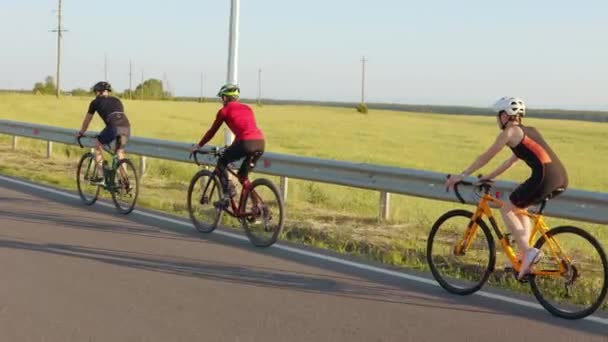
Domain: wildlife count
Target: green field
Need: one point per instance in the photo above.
(324, 215)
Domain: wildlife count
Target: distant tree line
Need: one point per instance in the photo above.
(151, 89)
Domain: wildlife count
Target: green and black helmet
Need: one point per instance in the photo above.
(229, 90)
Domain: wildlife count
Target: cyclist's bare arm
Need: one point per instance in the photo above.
(505, 137)
(502, 168)
(484, 158)
(85, 123)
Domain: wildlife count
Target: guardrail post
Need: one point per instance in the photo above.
(385, 199)
(283, 188)
(49, 149)
(14, 142)
(142, 165)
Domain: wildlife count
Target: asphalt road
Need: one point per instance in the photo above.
(75, 273)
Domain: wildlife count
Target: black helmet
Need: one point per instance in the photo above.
(102, 86)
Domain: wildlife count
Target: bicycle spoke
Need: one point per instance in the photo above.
(264, 209)
(461, 258)
(577, 285)
(86, 172)
(125, 188)
(205, 202)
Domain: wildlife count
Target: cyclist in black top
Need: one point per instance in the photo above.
(548, 178)
(118, 127)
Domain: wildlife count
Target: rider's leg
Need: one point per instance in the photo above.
(254, 150)
(520, 229)
(232, 153)
(515, 222)
(106, 136)
(98, 151)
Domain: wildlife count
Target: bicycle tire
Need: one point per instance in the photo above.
(456, 285)
(266, 212)
(81, 182)
(534, 279)
(133, 192)
(211, 193)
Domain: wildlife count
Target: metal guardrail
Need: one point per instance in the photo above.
(572, 204)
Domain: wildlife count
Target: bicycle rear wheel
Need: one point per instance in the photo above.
(204, 201)
(581, 288)
(86, 171)
(264, 206)
(126, 187)
(465, 269)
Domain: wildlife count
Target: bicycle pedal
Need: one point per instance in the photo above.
(221, 204)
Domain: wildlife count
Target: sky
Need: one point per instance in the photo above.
(553, 54)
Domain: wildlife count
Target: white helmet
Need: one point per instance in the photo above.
(510, 105)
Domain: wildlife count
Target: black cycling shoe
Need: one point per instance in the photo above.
(97, 181)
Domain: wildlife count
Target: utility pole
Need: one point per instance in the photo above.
(59, 31)
(142, 84)
(259, 86)
(202, 97)
(363, 60)
(130, 80)
(164, 85)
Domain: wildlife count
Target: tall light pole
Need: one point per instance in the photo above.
(259, 86)
(59, 31)
(202, 79)
(142, 84)
(233, 41)
(130, 80)
(363, 60)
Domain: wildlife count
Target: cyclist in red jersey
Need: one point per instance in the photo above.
(548, 178)
(249, 139)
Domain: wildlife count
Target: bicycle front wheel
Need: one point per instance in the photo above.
(264, 207)
(460, 252)
(85, 173)
(205, 201)
(125, 189)
(570, 278)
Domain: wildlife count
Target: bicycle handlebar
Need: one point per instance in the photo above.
(484, 185)
(83, 136)
(216, 151)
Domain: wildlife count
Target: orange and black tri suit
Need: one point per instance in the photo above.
(548, 173)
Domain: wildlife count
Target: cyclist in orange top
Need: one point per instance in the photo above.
(549, 177)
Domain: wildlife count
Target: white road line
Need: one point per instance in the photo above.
(293, 250)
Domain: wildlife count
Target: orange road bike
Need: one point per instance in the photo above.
(569, 279)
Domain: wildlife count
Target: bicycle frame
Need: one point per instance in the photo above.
(110, 174)
(540, 228)
(237, 209)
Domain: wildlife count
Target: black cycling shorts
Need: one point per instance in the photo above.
(252, 149)
(108, 134)
(535, 189)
